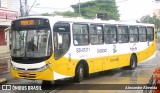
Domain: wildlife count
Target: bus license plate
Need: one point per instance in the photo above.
(26, 74)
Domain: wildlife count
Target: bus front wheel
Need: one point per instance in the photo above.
(45, 82)
(79, 74)
(133, 62)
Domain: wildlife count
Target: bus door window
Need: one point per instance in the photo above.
(63, 40)
(61, 36)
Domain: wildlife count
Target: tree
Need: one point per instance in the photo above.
(91, 8)
(146, 19)
(56, 13)
(153, 20)
(67, 13)
(46, 14)
(156, 21)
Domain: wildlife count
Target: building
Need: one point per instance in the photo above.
(156, 12)
(9, 10)
(6, 16)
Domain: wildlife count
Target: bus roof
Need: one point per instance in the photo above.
(82, 20)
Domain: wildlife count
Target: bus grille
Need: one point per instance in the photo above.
(29, 75)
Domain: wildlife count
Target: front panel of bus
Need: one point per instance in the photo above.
(31, 48)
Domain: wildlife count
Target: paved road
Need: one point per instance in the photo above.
(4, 65)
(4, 61)
(140, 75)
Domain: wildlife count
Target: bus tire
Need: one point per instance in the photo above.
(133, 62)
(45, 82)
(79, 74)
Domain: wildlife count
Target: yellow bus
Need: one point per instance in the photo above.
(51, 48)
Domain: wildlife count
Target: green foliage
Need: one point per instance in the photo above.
(46, 14)
(91, 8)
(146, 19)
(153, 20)
(67, 13)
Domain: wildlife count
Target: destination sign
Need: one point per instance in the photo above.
(30, 22)
(27, 22)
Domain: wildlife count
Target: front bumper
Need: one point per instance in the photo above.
(43, 75)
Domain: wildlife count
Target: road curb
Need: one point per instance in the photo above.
(3, 80)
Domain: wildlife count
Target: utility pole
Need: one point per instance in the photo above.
(21, 10)
(26, 8)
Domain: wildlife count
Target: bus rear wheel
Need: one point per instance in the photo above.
(133, 62)
(79, 74)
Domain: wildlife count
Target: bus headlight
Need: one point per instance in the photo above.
(13, 66)
(44, 67)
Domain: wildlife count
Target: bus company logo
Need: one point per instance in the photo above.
(101, 50)
(133, 48)
(6, 87)
(21, 87)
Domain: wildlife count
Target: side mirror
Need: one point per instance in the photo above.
(7, 35)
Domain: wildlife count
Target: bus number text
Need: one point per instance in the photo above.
(79, 50)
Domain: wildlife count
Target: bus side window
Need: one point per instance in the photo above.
(96, 34)
(75, 42)
(110, 34)
(80, 34)
(142, 34)
(123, 34)
(133, 34)
(150, 33)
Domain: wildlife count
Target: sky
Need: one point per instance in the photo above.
(53, 5)
(135, 9)
(129, 10)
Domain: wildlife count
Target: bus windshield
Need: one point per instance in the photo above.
(31, 42)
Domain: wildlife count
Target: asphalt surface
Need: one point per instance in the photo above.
(4, 67)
